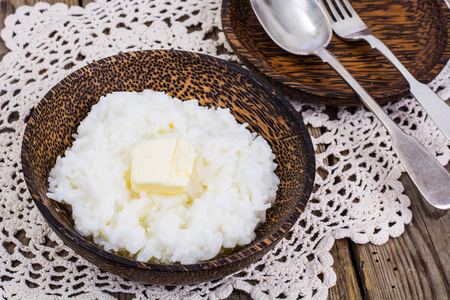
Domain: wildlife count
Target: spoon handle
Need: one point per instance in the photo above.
(430, 177)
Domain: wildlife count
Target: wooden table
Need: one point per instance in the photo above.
(415, 265)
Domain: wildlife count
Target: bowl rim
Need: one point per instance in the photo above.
(244, 253)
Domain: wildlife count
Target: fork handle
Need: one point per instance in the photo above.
(430, 177)
(435, 107)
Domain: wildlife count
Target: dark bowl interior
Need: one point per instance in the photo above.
(184, 75)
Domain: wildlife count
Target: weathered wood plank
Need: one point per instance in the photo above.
(347, 286)
(413, 266)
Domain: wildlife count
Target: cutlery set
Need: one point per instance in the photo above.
(305, 27)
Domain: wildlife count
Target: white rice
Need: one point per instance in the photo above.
(232, 185)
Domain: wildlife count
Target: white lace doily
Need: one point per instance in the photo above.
(357, 196)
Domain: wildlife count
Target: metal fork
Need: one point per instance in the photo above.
(348, 25)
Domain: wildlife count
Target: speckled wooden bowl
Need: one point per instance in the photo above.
(185, 75)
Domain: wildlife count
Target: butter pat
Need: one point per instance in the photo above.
(162, 166)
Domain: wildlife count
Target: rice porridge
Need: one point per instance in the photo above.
(232, 183)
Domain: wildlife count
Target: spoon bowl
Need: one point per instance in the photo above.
(280, 19)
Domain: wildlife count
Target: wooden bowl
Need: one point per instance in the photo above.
(184, 75)
(416, 31)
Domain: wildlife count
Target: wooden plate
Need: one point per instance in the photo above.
(416, 31)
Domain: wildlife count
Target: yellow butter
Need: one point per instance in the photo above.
(162, 166)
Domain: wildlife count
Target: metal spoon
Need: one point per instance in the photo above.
(301, 27)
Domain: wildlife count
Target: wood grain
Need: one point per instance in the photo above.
(347, 285)
(416, 31)
(414, 265)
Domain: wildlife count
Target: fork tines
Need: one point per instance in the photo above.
(340, 13)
